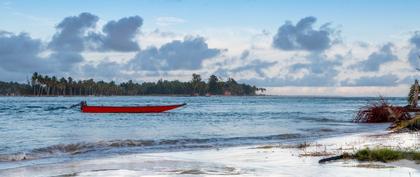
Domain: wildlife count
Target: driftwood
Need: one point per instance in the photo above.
(382, 111)
(331, 159)
(339, 157)
(406, 125)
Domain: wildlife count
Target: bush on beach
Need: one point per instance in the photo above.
(385, 155)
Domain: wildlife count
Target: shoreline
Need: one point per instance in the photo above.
(251, 160)
(52, 96)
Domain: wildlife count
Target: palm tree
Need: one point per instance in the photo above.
(413, 94)
(70, 85)
(34, 81)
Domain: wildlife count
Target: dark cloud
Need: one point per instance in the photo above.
(244, 54)
(7, 76)
(71, 32)
(69, 40)
(19, 53)
(415, 39)
(257, 66)
(318, 64)
(187, 54)
(119, 35)
(384, 80)
(409, 79)
(376, 59)
(318, 72)
(248, 65)
(105, 70)
(303, 36)
(414, 55)
(65, 61)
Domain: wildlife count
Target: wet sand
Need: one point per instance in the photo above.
(261, 160)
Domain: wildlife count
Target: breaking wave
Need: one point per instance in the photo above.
(85, 147)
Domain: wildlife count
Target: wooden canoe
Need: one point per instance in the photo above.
(128, 109)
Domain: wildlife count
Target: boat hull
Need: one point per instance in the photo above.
(128, 109)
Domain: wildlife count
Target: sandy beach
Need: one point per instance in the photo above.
(259, 160)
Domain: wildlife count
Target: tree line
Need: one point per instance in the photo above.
(44, 85)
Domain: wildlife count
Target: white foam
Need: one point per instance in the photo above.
(240, 161)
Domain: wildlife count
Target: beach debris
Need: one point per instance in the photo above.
(372, 165)
(285, 146)
(333, 158)
(406, 125)
(315, 154)
(381, 111)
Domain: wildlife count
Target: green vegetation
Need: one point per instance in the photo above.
(14, 88)
(378, 154)
(385, 155)
(52, 86)
(412, 94)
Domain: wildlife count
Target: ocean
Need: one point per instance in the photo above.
(45, 130)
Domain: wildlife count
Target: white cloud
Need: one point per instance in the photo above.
(169, 21)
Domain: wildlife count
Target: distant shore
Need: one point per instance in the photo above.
(157, 95)
(44, 85)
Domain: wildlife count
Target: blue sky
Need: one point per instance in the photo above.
(359, 19)
(355, 46)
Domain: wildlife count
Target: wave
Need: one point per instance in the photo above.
(320, 119)
(55, 108)
(85, 147)
(33, 107)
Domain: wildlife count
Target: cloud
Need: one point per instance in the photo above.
(19, 53)
(119, 35)
(65, 61)
(176, 55)
(258, 66)
(376, 59)
(303, 36)
(318, 64)
(414, 55)
(415, 39)
(71, 32)
(384, 80)
(105, 70)
(69, 41)
(318, 71)
(168, 21)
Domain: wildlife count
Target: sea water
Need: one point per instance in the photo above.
(43, 130)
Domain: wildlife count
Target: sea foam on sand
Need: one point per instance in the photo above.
(260, 160)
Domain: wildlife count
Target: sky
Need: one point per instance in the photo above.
(300, 47)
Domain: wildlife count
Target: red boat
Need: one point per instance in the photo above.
(127, 109)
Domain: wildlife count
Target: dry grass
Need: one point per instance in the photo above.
(285, 146)
(372, 165)
(316, 154)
